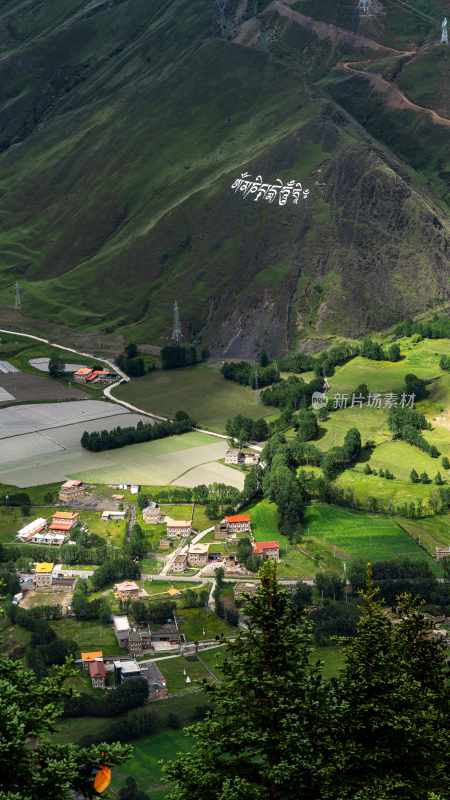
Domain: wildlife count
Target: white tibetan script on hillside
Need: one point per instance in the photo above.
(255, 189)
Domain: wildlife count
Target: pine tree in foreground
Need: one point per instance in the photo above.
(264, 738)
(34, 765)
(278, 731)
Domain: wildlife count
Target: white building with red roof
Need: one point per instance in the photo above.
(267, 550)
(238, 523)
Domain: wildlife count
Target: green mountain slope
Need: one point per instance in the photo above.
(123, 124)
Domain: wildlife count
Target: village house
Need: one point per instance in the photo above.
(113, 514)
(441, 552)
(127, 590)
(234, 456)
(167, 633)
(221, 531)
(238, 523)
(164, 544)
(152, 514)
(49, 538)
(139, 641)
(126, 670)
(178, 527)
(198, 555)
(179, 563)
(90, 657)
(82, 374)
(28, 531)
(97, 673)
(267, 550)
(71, 491)
(121, 628)
(251, 459)
(43, 575)
(101, 376)
(64, 521)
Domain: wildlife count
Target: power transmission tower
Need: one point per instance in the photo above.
(444, 36)
(256, 379)
(177, 333)
(365, 7)
(18, 300)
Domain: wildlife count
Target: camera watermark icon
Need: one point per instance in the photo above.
(319, 400)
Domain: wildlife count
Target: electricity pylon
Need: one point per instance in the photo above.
(177, 333)
(18, 300)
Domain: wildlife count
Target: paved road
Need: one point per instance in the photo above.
(107, 392)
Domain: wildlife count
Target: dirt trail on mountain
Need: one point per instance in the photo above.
(395, 98)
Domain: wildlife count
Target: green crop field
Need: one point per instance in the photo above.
(432, 532)
(421, 359)
(386, 493)
(356, 535)
(145, 762)
(371, 423)
(176, 670)
(88, 635)
(296, 560)
(200, 390)
(193, 621)
(401, 457)
(162, 462)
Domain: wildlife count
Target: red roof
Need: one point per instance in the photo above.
(94, 374)
(238, 518)
(97, 669)
(261, 547)
(62, 526)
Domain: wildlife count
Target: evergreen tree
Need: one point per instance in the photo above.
(395, 698)
(413, 476)
(265, 736)
(445, 462)
(33, 766)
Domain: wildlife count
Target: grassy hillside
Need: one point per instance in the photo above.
(123, 125)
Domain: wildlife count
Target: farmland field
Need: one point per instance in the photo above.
(400, 458)
(88, 635)
(395, 492)
(181, 460)
(200, 390)
(420, 358)
(371, 423)
(358, 535)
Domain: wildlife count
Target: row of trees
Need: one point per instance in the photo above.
(375, 351)
(243, 429)
(249, 375)
(96, 441)
(406, 424)
(174, 356)
(436, 328)
(291, 393)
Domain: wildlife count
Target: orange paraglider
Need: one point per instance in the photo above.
(102, 779)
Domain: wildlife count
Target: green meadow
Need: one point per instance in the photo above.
(355, 535)
(201, 391)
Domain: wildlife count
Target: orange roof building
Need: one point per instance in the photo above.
(238, 523)
(91, 656)
(64, 521)
(267, 549)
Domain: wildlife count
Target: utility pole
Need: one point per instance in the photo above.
(444, 36)
(177, 333)
(18, 300)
